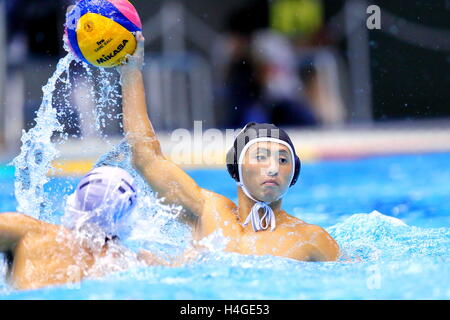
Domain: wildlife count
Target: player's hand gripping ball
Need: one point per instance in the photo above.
(101, 32)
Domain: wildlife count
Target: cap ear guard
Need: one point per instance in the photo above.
(298, 166)
(232, 161)
(232, 165)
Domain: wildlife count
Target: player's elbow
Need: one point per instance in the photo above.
(144, 154)
(139, 164)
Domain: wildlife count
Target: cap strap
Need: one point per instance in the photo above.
(268, 216)
(262, 223)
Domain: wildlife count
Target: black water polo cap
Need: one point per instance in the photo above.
(258, 131)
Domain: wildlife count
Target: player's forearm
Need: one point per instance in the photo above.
(135, 118)
(153, 260)
(137, 125)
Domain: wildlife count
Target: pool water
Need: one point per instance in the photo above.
(390, 215)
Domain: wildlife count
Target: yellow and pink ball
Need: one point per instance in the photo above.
(101, 32)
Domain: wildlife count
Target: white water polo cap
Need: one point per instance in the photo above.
(104, 197)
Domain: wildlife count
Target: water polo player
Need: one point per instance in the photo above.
(41, 254)
(262, 161)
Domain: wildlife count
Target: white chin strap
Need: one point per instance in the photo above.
(268, 218)
(259, 223)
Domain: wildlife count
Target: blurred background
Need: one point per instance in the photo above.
(311, 66)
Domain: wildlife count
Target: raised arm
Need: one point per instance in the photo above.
(13, 226)
(164, 176)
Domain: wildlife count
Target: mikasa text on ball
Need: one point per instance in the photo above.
(100, 32)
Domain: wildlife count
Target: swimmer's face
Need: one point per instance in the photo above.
(267, 170)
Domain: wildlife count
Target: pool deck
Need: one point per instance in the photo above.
(78, 156)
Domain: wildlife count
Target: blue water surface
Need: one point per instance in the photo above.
(390, 215)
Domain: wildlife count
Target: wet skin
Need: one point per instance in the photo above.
(266, 172)
(39, 258)
(44, 254)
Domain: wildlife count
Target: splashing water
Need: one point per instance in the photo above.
(109, 96)
(37, 151)
(386, 257)
(376, 237)
(410, 263)
(152, 225)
